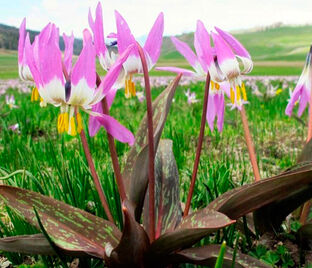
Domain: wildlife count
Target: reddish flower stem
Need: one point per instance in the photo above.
(151, 153)
(112, 150)
(250, 146)
(307, 205)
(95, 176)
(199, 147)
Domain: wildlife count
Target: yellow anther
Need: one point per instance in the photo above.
(79, 123)
(66, 123)
(217, 86)
(130, 88)
(59, 123)
(73, 131)
(232, 95)
(238, 93)
(244, 92)
(34, 94)
(212, 84)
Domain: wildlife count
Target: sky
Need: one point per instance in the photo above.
(180, 15)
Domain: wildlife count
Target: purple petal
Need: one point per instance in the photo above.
(124, 35)
(186, 51)
(98, 32)
(177, 70)
(112, 35)
(220, 112)
(304, 99)
(225, 86)
(21, 41)
(154, 40)
(50, 56)
(202, 45)
(91, 21)
(223, 51)
(118, 131)
(113, 73)
(94, 124)
(68, 53)
(110, 97)
(211, 111)
(85, 65)
(237, 47)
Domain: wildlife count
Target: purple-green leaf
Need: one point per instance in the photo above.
(71, 229)
(191, 229)
(168, 210)
(207, 255)
(27, 244)
(135, 173)
(270, 199)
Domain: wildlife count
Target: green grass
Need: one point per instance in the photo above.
(59, 168)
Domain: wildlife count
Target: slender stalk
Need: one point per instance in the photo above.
(90, 161)
(307, 205)
(95, 176)
(199, 147)
(112, 150)
(250, 146)
(151, 153)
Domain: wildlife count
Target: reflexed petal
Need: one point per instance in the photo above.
(124, 35)
(68, 53)
(237, 47)
(225, 86)
(177, 70)
(50, 56)
(94, 124)
(110, 97)
(247, 65)
(186, 51)
(99, 41)
(154, 40)
(21, 41)
(202, 45)
(118, 131)
(85, 65)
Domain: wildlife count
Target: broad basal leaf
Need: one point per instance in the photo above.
(27, 244)
(136, 169)
(168, 210)
(274, 197)
(191, 229)
(207, 255)
(71, 229)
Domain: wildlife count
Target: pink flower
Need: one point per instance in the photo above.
(14, 128)
(77, 90)
(191, 97)
(302, 90)
(10, 101)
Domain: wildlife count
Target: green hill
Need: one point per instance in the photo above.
(282, 43)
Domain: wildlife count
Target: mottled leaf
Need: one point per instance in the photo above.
(274, 197)
(191, 229)
(71, 229)
(27, 244)
(135, 173)
(168, 212)
(207, 255)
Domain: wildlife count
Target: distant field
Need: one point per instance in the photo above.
(8, 66)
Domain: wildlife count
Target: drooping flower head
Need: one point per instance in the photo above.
(191, 97)
(222, 63)
(302, 90)
(72, 89)
(151, 48)
(10, 101)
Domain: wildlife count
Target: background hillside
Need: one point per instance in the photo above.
(276, 50)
